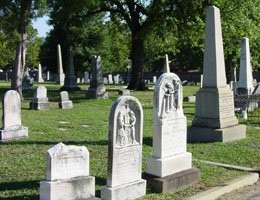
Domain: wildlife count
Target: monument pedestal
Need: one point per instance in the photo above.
(13, 133)
(66, 104)
(132, 190)
(228, 134)
(97, 91)
(162, 167)
(68, 189)
(174, 182)
(215, 119)
(36, 105)
(70, 84)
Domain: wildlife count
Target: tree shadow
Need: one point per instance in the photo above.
(148, 141)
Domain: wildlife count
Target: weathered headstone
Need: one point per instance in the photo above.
(125, 151)
(97, 89)
(110, 79)
(245, 83)
(65, 103)
(61, 75)
(215, 118)
(116, 79)
(40, 100)
(170, 167)
(67, 175)
(40, 79)
(70, 82)
(11, 117)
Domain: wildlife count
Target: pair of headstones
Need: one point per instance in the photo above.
(40, 100)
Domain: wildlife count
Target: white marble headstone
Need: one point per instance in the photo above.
(41, 92)
(11, 109)
(64, 162)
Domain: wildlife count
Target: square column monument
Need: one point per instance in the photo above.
(215, 118)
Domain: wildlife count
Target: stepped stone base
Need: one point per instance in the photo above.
(13, 133)
(75, 188)
(66, 105)
(228, 134)
(174, 182)
(39, 105)
(132, 190)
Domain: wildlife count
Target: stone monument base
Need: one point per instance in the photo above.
(174, 182)
(70, 88)
(162, 167)
(132, 190)
(97, 92)
(228, 134)
(75, 188)
(66, 105)
(39, 105)
(13, 133)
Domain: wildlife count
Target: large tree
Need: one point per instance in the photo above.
(20, 13)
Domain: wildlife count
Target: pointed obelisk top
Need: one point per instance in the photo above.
(214, 74)
(166, 67)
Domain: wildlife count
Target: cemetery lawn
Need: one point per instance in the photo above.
(22, 162)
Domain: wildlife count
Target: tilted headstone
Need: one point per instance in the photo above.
(125, 151)
(70, 81)
(61, 75)
(40, 100)
(65, 103)
(170, 160)
(245, 83)
(215, 118)
(67, 174)
(11, 117)
(40, 79)
(97, 89)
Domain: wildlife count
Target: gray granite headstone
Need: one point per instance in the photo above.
(40, 100)
(67, 174)
(215, 118)
(65, 103)
(97, 89)
(125, 151)
(40, 79)
(11, 117)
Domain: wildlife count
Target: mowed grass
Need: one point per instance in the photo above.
(23, 164)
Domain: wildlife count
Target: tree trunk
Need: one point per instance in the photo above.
(19, 66)
(137, 81)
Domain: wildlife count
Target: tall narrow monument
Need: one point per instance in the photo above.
(97, 89)
(170, 167)
(70, 82)
(61, 75)
(245, 83)
(215, 118)
(40, 79)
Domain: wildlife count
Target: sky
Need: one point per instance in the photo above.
(41, 25)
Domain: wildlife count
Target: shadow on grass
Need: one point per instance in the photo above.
(19, 185)
(99, 142)
(148, 141)
(99, 181)
(31, 197)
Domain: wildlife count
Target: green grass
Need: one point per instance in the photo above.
(22, 162)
